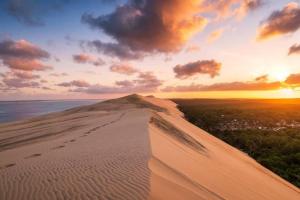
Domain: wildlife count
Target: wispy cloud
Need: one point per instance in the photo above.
(231, 86)
(215, 35)
(145, 82)
(113, 49)
(31, 12)
(75, 83)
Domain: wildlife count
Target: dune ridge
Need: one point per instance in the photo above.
(132, 147)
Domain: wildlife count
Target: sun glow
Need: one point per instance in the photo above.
(287, 92)
(279, 74)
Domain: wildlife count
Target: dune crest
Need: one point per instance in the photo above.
(132, 147)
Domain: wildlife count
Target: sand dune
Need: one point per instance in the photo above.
(129, 148)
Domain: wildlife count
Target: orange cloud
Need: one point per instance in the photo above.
(231, 86)
(293, 79)
(213, 36)
(223, 9)
(248, 6)
(154, 25)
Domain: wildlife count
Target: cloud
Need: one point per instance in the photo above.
(21, 48)
(86, 58)
(224, 9)
(82, 58)
(192, 48)
(75, 83)
(58, 74)
(31, 12)
(46, 88)
(215, 35)
(231, 86)
(295, 49)
(143, 27)
(114, 50)
(19, 79)
(151, 25)
(123, 68)
(259, 84)
(248, 6)
(145, 82)
(23, 55)
(148, 80)
(263, 78)
(25, 64)
(20, 75)
(281, 22)
(210, 67)
(125, 83)
(293, 79)
(20, 83)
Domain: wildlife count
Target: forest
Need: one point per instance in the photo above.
(267, 130)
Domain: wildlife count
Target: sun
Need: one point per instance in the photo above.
(287, 92)
(279, 74)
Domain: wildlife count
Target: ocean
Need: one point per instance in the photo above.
(17, 110)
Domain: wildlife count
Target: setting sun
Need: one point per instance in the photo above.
(287, 92)
(279, 74)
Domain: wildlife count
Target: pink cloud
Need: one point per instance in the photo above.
(86, 58)
(23, 55)
(123, 68)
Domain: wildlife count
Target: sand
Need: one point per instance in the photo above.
(128, 148)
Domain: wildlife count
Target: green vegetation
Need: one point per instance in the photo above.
(267, 130)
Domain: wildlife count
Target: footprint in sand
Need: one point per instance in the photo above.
(84, 135)
(9, 165)
(59, 147)
(33, 155)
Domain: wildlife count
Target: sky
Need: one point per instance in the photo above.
(97, 49)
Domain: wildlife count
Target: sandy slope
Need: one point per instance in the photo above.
(129, 148)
